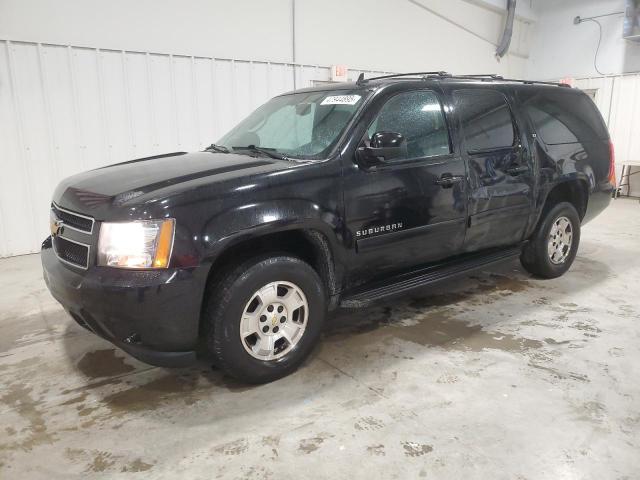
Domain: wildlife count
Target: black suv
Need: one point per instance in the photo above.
(325, 197)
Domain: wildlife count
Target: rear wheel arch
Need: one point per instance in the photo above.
(556, 238)
(574, 191)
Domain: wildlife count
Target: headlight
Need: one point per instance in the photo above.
(141, 244)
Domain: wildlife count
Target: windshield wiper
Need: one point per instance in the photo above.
(266, 151)
(217, 148)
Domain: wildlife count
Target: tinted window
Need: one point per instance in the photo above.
(564, 116)
(418, 116)
(485, 118)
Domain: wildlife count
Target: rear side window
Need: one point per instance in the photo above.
(564, 116)
(418, 116)
(486, 119)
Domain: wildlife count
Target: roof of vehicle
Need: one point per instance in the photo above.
(429, 78)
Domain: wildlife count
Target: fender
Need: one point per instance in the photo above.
(320, 226)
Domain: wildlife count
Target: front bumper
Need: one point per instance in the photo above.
(151, 314)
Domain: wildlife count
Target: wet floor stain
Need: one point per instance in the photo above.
(587, 327)
(428, 322)
(235, 447)
(151, 395)
(434, 328)
(594, 412)
(439, 329)
(187, 387)
(271, 441)
(92, 386)
(21, 365)
(376, 450)
(413, 449)
(101, 462)
(19, 397)
(368, 423)
(558, 375)
(137, 466)
(80, 398)
(310, 445)
(447, 378)
(103, 363)
(479, 293)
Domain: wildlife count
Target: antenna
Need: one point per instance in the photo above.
(360, 80)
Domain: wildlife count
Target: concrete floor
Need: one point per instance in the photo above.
(494, 376)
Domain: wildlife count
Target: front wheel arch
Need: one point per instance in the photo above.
(225, 306)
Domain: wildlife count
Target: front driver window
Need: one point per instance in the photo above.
(418, 116)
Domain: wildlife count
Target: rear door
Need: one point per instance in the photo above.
(500, 168)
(411, 210)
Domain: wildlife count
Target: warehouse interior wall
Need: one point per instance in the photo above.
(561, 49)
(378, 35)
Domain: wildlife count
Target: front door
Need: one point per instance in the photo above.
(410, 210)
(500, 169)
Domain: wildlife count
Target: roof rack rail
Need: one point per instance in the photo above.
(361, 80)
(537, 82)
(485, 77)
(493, 76)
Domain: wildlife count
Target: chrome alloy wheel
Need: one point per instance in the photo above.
(560, 239)
(274, 320)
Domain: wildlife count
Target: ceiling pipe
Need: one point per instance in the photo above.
(505, 40)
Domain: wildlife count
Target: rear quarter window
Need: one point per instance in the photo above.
(564, 116)
(485, 118)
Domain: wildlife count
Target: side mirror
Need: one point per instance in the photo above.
(384, 146)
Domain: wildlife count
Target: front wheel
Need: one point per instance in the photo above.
(553, 246)
(264, 317)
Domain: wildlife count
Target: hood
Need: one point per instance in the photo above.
(138, 181)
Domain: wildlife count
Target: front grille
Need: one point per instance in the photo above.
(71, 252)
(73, 220)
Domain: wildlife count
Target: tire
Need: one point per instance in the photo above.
(548, 257)
(242, 295)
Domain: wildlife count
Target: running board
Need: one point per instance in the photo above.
(427, 276)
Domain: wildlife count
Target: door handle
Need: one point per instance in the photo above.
(517, 170)
(447, 181)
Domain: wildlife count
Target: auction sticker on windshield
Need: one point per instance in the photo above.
(341, 100)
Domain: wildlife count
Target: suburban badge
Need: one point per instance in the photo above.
(380, 229)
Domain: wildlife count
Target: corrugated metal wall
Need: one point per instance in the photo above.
(66, 109)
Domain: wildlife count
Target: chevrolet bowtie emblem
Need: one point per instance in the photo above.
(56, 227)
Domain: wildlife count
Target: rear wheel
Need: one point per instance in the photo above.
(264, 317)
(553, 246)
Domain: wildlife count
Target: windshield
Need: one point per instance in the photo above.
(300, 125)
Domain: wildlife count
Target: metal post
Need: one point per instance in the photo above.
(293, 40)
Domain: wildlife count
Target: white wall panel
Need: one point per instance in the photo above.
(17, 227)
(618, 99)
(603, 87)
(67, 109)
(625, 119)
